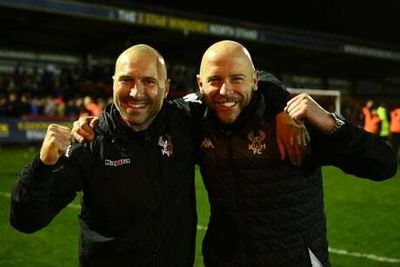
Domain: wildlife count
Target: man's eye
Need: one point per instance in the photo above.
(237, 80)
(125, 80)
(148, 82)
(213, 80)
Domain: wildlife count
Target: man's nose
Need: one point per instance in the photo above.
(136, 89)
(225, 89)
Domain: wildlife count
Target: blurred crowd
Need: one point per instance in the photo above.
(53, 91)
(67, 91)
(31, 106)
(382, 122)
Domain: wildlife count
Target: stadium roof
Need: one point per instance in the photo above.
(301, 50)
(369, 20)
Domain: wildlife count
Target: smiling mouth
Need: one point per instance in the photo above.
(136, 105)
(228, 104)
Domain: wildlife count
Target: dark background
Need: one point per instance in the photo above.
(376, 21)
(373, 24)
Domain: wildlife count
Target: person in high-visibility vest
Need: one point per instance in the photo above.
(371, 119)
(384, 120)
(395, 129)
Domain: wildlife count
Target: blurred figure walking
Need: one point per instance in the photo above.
(371, 118)
(384, 121)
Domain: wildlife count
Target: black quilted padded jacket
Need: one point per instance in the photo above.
(138, 197)
(267, 212)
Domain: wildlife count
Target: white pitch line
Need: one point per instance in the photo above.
(363, 255)
(331, 250)
(343, 252)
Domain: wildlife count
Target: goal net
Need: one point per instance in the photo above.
(328, 99)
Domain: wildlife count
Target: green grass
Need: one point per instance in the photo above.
(363, 217)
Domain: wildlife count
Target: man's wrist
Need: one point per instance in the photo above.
(339, 121)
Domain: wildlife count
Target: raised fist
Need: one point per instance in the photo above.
(55, 143)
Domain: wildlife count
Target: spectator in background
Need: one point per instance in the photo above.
(384, 121)
(13, 105)
(25, 106)
(371, 118)
(91, 107)
(101, 103)
(50, 107)
(395, 129)
(60, 106)
(36, 106)
(71, 110)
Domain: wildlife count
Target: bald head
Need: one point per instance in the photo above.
(227, 79)
(226, 52)
(140, 51)
(140, 85)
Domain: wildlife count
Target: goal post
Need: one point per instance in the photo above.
(336, 94)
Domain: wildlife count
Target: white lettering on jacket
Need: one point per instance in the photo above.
(115, 163)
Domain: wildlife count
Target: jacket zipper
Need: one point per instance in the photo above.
(239, 194)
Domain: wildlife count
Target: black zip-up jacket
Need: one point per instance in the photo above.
(267, 212)
(138, 203)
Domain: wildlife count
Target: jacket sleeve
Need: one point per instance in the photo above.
(354, 151)
(41, 192)
(274, 91)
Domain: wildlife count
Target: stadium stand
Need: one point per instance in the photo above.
(54, 53)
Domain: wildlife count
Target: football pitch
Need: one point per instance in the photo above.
(363, 222)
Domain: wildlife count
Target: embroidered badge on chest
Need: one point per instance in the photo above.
(166, 145)
(207, 144)
(257, 144)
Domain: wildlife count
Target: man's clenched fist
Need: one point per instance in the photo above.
(56, 142)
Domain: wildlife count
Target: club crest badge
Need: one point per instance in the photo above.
(207, 144)
(166, 145)
(257, 144)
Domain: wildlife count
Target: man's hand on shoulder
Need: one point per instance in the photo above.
(293, 138)
(303, 108)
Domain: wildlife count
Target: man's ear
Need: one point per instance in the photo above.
(199, 83)
(167, 85)
(256, 78)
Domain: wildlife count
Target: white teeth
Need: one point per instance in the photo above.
(137, 105)
(228, 104)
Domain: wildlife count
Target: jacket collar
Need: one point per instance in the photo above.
(111, 125)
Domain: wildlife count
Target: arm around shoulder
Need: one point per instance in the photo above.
(355, 151)
(380, 161)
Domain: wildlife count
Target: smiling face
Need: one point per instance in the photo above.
(140, 86)
(228, 79)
